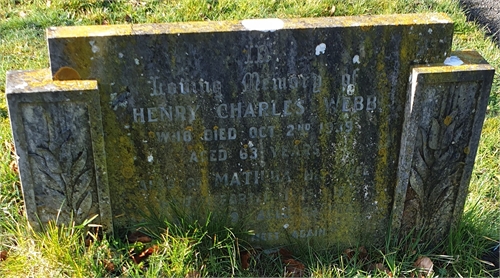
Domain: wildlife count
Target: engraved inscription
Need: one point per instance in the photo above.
(184, 87)
(236, 144)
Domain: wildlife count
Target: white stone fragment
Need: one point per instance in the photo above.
(320, 49)
(453, 61)
(120, 55)
(263, 25)
(355, 59)
(150, 158)
(435, 19)
(286, 226)
(429, 31)
(21, 85)
(95, 48)
(136, 61)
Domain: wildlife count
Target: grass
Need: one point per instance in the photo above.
(191, 248)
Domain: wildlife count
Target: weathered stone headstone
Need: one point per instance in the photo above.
(58, 135)
(292, 127)
(445, 113)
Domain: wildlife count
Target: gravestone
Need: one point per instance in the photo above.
(289, 127)
(445, 114)
(58, 134)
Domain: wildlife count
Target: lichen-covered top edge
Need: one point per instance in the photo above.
(41, 81)
(465, 60)
(264, 25)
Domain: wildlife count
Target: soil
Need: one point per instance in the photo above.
(486, 13)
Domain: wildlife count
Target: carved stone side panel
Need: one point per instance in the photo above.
(441, 146)
(444, 116)
(58, 137)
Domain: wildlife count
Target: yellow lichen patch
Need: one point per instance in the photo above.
(467, 150)
(447, 120)
(382, 178)
(41, 80)
(127, 172)
(449, 69)
(382, 152)
(226, 26)
(204, 189)
(37, 76)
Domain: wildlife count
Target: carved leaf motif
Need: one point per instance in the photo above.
(50, 183)
(437, 191)
(81, 186)
(84, 207)
(50, 160)
(445, 159)
(427, 155)
(50, 179)
(454, 114)
(417, 184)
(77, 168)
(39, 160)
(55, 144)
(66, 178)
(458, 134)
(433, 141)
(65, 156)
(448, 135)
(421, 166)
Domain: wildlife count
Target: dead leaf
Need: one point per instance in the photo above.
(293, 268)
(380, 267)
(138, 237)
(424, 266)
(10, 146)
(144, 254)
(3, 255)
(245, 259)
(88, 241)
(332, 10)
(360, 255)
(285, 254)
(13, 167)
(108, 265)
(349, 253)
